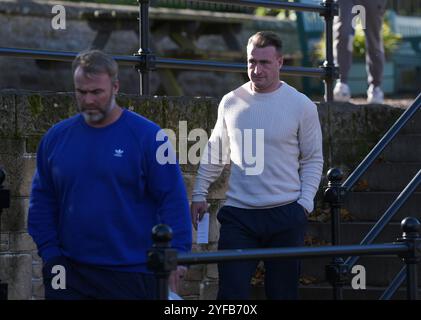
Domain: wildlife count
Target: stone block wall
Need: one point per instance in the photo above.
(349, 131)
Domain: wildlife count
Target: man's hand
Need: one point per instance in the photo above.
(176, 277)
(197, 211)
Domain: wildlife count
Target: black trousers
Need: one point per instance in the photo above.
(84, 282)
(283, 226)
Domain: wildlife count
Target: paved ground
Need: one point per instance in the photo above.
(401, 100)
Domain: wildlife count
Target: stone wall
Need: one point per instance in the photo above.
(349, 131)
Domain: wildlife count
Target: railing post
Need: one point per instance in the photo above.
(337, 271)
(4, 204)
(411, 228)
(331, 72)
(161, 258)
(147, 59)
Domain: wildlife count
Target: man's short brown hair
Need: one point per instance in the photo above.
(96, 61)
(264, 39)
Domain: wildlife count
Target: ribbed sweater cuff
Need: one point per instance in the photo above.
(308, 205)
(198, 198)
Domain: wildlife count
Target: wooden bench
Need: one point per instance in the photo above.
(310, 27)
(407, 57)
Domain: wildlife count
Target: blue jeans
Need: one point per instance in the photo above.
(282, 226)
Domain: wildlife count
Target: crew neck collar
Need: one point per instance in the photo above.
(265, 94)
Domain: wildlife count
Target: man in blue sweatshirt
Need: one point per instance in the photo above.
(99, 189)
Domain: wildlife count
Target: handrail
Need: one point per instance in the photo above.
(65, 56)
(272, 4)
(4, 204)
(167, 63)
(336, 192)
(394, 285)
(171, 63)
(399, 201)
(388, 215)
(288, 253)
(162, 259)
(382, 144)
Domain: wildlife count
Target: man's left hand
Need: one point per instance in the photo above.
(176, 277)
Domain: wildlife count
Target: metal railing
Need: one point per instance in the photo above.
(4, 204)
(162, 259)
(146, 61)
(336, 192)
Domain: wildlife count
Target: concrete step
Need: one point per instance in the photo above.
(379, 270)
(370, 206)
(404, 148)
(352, 232)
(389, 176)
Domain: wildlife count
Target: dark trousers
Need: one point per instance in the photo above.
(343, 32)
(283, 226)
(85, 282)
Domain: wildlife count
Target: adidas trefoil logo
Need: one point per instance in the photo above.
(118, 153)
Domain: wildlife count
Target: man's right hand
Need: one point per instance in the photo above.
(197, 211)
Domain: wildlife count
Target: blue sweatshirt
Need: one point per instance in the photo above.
(98, 192)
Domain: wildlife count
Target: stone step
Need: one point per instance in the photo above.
(404, 148)
(414, 125)
(379, 270)
(370, 206)
(351, 232)
(324, 292)
(389, 176)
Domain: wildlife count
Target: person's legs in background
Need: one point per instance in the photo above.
(343, 35)
(375, 51)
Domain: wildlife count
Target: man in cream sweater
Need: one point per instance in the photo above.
(270, 135)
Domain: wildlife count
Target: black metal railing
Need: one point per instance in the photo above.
(4, 204)
(335, 193)
(186, 4)
(146, 61)
(162, 259)
(388, 215)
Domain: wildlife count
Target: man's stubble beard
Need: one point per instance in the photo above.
(98, 117)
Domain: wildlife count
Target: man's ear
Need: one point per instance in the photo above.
(281, 61)
(116, 86)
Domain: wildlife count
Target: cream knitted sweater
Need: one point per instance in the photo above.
(273, 143)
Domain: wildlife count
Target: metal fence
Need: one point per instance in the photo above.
(162, 259)
(146, 61)
(4, 204)
(336, 192)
